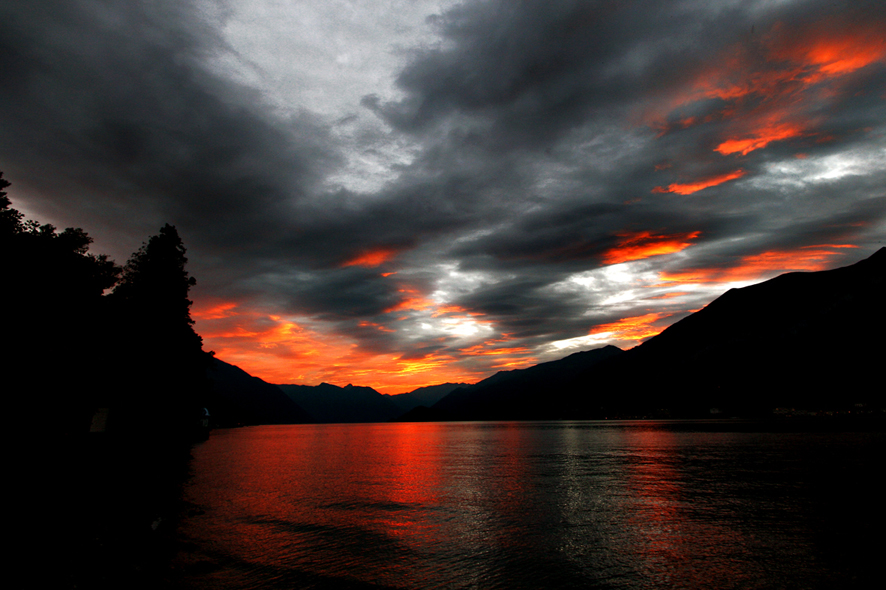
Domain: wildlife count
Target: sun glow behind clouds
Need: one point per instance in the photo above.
(286, 350)
(298, 350)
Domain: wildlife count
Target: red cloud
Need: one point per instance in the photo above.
(768, 88)
(283, 350)
(633, 328)
(640, 245)
(758, 266)
(698, 185)
(372, 258)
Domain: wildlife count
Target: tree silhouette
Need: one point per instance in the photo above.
(10, 219)
(70, 349)
(53, 309)
(156, 283)
(161, 360)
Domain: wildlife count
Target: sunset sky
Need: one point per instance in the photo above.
(407, 192)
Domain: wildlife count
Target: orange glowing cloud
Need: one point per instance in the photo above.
(372, 258)
(414, 301)
(443, 310)
(281, 350)
(633, 328)
(511, 357)
(214, 312)
(760, 138)
(269, 346)
(287, 350)
(757, 266)
(830, 49)
(671, 295)
(694, 187)
(766, 89)
(481, 350)
(640, 245)
(379, 327)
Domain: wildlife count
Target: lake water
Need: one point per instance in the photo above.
(533, 505)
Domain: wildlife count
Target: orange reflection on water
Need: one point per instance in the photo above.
(667, 540)
(319, 499)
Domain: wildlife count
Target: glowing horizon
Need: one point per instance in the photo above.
(285, 351)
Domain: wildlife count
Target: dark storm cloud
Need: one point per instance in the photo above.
(532, 75)
(570, 239)
(117, 96)
(341, 294)
(535, 69)
(523, 75)
(525, 309)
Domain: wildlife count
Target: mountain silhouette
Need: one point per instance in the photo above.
(802, 340)
(332, 404)
(424, 396)
(238, 398)
(523, 394)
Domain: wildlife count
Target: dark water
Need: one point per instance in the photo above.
(533, 505)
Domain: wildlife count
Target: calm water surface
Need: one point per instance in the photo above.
(532, 505)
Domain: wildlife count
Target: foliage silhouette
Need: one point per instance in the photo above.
(71, 349)
(71, 346)
(53, 306)
(160, 355)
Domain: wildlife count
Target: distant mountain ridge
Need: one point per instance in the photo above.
(240, 399)
(237, 398)
(333, 404)
(523, 394)
(424, 396)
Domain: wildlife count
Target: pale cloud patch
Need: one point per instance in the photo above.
(803, 171)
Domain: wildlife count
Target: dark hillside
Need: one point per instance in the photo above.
(524, 394)
(238, 398)
(328, 403)
(810, 340)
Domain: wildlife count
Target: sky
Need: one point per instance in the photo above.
(409, 192)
